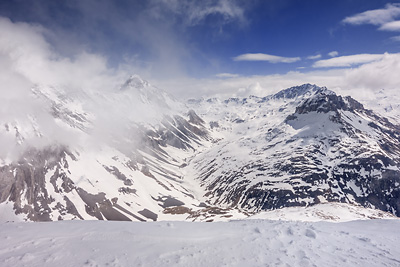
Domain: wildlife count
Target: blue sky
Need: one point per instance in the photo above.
(172, 40)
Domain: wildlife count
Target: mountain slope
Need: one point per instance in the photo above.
(114, 163)
(136, 153)
(303, 146)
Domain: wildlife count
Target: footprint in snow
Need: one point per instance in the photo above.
(310, 233)
(289, 231)
(114, 263)
(27, 257)
(364, 239)
(91, 263)
(258, 230)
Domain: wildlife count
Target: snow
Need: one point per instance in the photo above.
(331, 212)
(385, 102)
(235, 243)
(7, 212)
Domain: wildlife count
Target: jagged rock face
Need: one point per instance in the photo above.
(302, 148)
(325, 103)
(25, 184)
(32, 184)
(44, 185)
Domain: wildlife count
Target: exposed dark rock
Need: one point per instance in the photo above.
(194, 118)
(98, 206)
(168, 201)
(297, 91)
(127, 190)
(149, 214)
(120, 176)
(214, 124)
(177, 210)
(24, 183)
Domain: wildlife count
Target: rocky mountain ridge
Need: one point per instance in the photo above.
(301, 147)
(144, 156)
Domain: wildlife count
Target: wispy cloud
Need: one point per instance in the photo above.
(155, 37)
(395, 38)
(229, 11)
(28, 60)
(376, 16)
(226, 75)
(314, 57)
(195, 12)
(333, 54)
(391, 26)
(348, 61)
(266, 57)
(385, 18)
(25, 51)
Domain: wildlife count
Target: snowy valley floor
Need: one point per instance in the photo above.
(235, 243)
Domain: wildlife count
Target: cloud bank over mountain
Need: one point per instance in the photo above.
(161, 35)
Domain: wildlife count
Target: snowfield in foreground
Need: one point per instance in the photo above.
(235, 243)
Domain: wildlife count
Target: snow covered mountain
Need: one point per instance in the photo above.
(384, 102)
(136, 153)
(120, 155)
(302, 146)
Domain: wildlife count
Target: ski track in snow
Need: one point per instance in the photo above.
(235, 243)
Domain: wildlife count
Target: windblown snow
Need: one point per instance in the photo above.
(235, 243)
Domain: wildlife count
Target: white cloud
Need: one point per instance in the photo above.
(333, 54)
(391, 26)
(26, 53)
(266, 57)
(384, 18)
(314, 57)
(251, 85)
(360, 82)
(226, 75)
(348, 61)
(376, 16)
(376, 75)
(396, 38)
(27, 59)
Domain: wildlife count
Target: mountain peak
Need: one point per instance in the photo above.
(301, 90)
(135, 81)
(141, 93)
(140, 89)
(323, 102)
